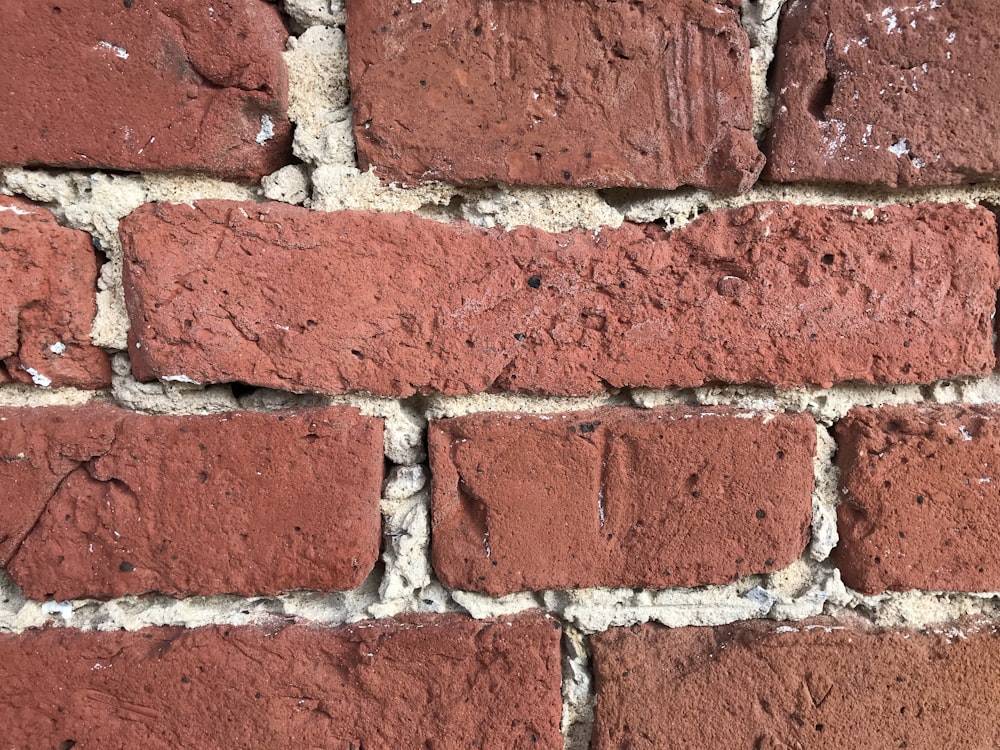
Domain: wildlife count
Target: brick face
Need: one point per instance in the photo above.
(591, 93)
(770, 293)
(894, 95)
(172, 84)
(618, 497)
(442, 682)
(919, 498)
(101, 502)
(48, 287)
(820, 685)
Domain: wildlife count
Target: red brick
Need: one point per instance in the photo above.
(444, 682)
(899, 95)
(618, 497)
(816, 685)
(48, 288)
(278, 296)
(919, 498)
(598, 93)
(144, 85)
(100, 502)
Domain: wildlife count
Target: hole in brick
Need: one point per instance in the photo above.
(57, 10)
(241, 389)
(535, 282)
(822, 97)
(126, 567)
(67, 744)
(827, 259)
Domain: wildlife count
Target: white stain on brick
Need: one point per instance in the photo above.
(120, 52)
(37, 377)
(266, 130)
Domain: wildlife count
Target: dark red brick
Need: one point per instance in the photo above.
(444, 682)
(145, 85)
(100, 502)
(618, 497)
(817, 685)
(900, 95)
(920, 498)
(277, 296)
(598, 93)
(48, 287)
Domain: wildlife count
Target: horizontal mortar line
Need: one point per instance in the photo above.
(804, 193)
(136, 612)
(743, 396)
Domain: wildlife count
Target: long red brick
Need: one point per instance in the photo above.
(919, 498)
(894, 94)
(48, 290)
(820, 685)
(618, 497)
(598, 93)
(144, 85)
(445, 682)
(100, 502)
(278, 296)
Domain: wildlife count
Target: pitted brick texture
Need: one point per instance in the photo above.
(144, 85)
(919, 499)
(100, 502)
(48, 287)
(618, 497)
(597, 93)
(393, 304)
(822, 685)
(443, 682)
(882, 93)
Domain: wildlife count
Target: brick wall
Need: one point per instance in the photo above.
(450, 374)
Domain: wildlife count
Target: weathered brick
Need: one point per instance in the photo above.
(598, 93)
(618, 497)
(818, 685)
(278, 296)
(140, 85)
(868, 92)
(100, 502)
(48, 288)
(919, 498)
(445, 682)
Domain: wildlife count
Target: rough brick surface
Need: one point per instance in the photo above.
(819, 686)
(875, 93)
(919, 492)
(598, 93)
(618, 497)
(441, 682)
(277, 296)
(99, 502)
(48, 287)
(144, 84)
